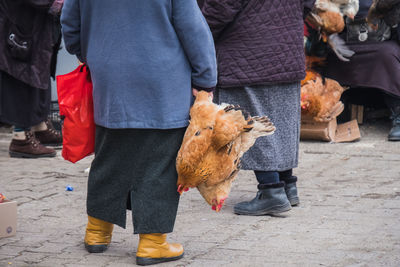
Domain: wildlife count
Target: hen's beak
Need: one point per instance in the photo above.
(324, 37)
(218, 207)
(182, 189)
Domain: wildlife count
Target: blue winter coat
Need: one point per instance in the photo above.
(144, 57)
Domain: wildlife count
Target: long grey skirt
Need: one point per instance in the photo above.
(135, 169)
(281, 103)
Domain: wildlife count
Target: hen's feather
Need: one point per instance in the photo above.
(230, 122)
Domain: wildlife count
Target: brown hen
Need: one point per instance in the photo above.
(347, 8)
(320, 99)
(312, 64)
(215, 140)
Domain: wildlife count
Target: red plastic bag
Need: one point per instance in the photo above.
(75, 100)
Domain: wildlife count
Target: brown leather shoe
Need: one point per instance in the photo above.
(49, 137)
(29, 148)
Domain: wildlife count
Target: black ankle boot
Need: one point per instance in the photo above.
(393, 103)
(291, 191)
(394, 134)
(270, 199)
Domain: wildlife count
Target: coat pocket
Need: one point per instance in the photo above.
(19, 45)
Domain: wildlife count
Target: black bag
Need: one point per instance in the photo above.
(359, 31)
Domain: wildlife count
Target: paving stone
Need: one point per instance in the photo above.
(349, 213)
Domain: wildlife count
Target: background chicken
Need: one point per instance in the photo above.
(313, 65)
(348, 8)
(320, 99)
(214, 142)
(327, 19)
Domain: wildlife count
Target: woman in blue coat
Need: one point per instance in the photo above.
(145, 56)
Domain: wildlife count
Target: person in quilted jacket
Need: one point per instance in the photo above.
(259, 46)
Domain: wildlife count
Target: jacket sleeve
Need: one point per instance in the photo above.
(219, 13)
(71, 27)
(196, 39)
(43, 4)
(308, 6)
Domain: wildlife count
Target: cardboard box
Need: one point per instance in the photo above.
(329, 131)
(347, 132)
(8, 218)
(314, 130)
(357, 113)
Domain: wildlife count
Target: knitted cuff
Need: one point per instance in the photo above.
(290, 180)
(285, 174)
(266, 186)
(56, 7)
(199, 88)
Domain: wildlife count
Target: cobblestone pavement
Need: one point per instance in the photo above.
(349, 213)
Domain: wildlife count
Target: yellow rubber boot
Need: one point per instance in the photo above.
(153, 248)
(98, 235)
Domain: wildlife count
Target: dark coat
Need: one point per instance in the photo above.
(374, 65)
(257, 42)
(30, 22)
(135, 169)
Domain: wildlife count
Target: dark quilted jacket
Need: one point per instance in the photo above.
(30, 18)
(257, 41)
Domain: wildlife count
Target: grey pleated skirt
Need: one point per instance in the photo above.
(281, 103)
(135, 169)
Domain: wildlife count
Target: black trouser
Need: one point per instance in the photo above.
(393, 103)
(272, 177)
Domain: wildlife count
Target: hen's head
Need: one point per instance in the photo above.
(333, 22)
(310, 105)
